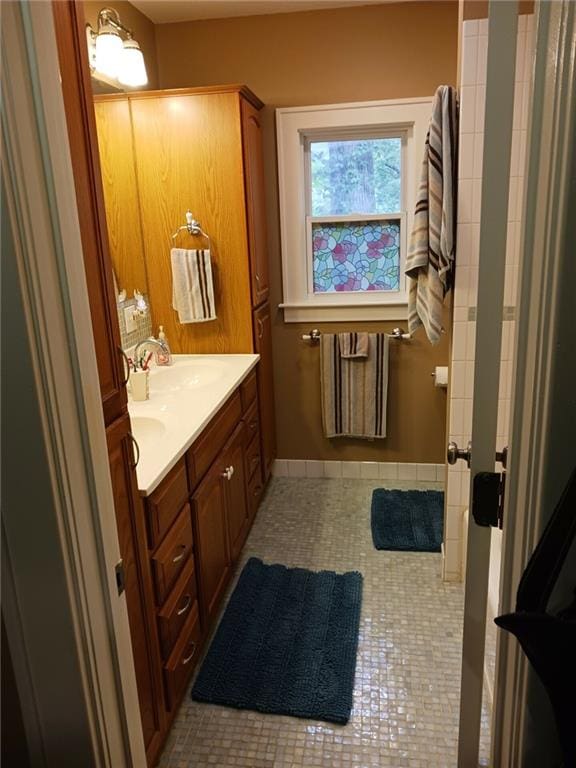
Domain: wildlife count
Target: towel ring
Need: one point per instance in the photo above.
(193, 228)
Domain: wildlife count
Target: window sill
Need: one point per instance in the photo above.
(333, 313)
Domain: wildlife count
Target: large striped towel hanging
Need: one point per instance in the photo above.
(354, 390)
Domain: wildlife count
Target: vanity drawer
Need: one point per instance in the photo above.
(182, 659)
(248, 390)
(252, 422)
(164, 504)
(253, 456)
(179, 605)
(212, 440)
(254, 492)
(172, 555)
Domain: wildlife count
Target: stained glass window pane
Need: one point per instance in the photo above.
(356, 176)
(356, 256)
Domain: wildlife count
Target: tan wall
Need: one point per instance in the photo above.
(142, 28)
(370, 52)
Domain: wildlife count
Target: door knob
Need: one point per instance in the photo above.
(454, 453)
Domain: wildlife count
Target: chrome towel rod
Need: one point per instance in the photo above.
(397, 333)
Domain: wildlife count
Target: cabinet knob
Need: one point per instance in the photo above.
(228, 472)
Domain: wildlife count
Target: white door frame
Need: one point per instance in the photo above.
(72, 575)
(543, 409)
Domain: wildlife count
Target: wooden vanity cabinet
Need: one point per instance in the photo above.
(235, 486)
(213, 552)
(223, 182)
(263, 346)
(81, 125)
(255, 201)
(194, 527)
(69, 24)
(137, 584)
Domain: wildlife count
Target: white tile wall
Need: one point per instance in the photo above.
(368, 470)
(472, 106)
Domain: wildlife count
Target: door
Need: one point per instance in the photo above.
(136, 581)
(255, 202)
(211, 540)
(482, 458)
(263, 346)
(235, 485)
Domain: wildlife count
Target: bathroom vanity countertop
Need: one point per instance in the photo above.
(183, 399)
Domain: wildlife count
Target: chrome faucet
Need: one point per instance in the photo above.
(152, 342)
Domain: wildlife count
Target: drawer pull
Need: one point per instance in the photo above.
(179, 557)
(186, 605)
(228, 472)
(189, 657)
(253, 424)
(126, 364)
(134, 463)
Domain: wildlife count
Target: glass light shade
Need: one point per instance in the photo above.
(109, 50)
(132, 69)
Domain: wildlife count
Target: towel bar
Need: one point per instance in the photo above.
(397, 333)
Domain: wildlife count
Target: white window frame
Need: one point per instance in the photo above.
(296, 127)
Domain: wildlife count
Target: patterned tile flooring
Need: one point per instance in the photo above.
(406, 697)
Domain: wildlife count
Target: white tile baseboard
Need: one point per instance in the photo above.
(368, 470)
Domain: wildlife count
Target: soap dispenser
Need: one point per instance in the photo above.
(163, 356)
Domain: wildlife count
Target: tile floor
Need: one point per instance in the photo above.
(406, 697)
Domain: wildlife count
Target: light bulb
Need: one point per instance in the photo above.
(109, 50)
(132, 70)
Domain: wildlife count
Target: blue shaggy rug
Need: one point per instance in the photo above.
(286, 644)
(407, 521)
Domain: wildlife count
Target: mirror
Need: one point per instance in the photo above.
(123, 219)
(118, 171)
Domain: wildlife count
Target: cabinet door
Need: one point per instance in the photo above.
(255, 202)
(263, 346)
(232, 460)
(77, 94)
(212, 552)
(138, 587)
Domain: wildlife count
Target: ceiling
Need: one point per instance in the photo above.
(167, 11)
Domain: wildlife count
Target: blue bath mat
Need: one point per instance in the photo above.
(407, 521)
(286, 644)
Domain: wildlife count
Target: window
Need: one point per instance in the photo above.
(352, 244)
(347, 177)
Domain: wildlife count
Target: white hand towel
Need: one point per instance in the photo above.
(192, 285)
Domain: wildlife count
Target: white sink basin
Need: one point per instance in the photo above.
(186, 375)
(146, 430)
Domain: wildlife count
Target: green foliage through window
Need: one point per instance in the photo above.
(356, 176)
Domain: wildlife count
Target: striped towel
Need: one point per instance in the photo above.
(353, 344)
(354, 391)
(192, 285)
(430, 261)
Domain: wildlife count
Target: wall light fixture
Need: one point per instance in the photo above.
(113, 52)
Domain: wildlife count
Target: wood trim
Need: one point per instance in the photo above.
(243, 90)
